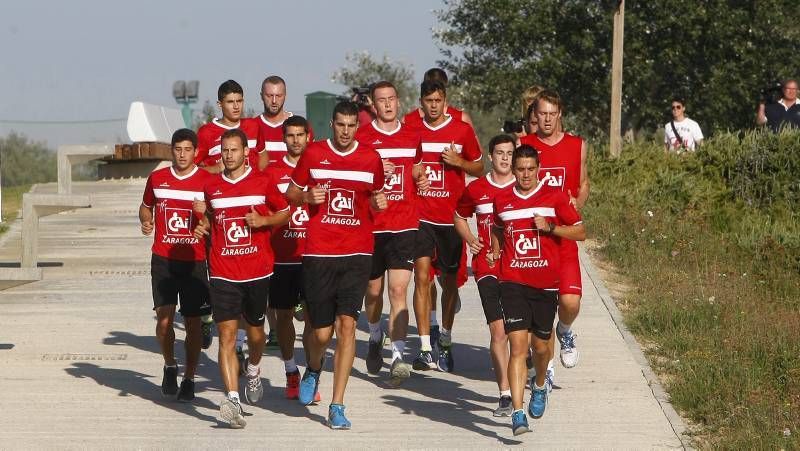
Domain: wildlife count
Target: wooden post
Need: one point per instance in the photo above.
(615, 134)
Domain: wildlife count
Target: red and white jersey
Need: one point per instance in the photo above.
(288, 240)
(478, 199)
(559, 163)
(530, 257)
(342, 225)
(171, 196)
(414, 118)
(239, 253)
(270, 138)
(402, 147)
(209, 147)
(437, 205)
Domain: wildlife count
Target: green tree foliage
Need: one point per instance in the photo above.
(24, 162)
(718, 54)
(362, 69)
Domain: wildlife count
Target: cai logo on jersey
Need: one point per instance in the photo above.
(299, 219)
(526, 244)
(178, 221)
(554, 176)
(340, 202)
(435, 173)
(394, 183)
(237, 233)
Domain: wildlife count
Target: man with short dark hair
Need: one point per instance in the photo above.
(339, 179)
(681, 134)
(178, 264)
(245, 204)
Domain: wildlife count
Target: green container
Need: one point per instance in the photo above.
(319, 109)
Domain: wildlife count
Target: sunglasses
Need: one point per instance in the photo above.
(677, 107)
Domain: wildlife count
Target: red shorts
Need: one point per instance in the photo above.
(461, 276)
(570, 277)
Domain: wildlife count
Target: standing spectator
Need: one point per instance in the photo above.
(787, 110)
(681, 134)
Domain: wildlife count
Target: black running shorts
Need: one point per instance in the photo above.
(335, 286)
(489, 291)
(286, 287)
(234, 300)
(442, 242)
(185, 280)
(393, 251)
(528, 308)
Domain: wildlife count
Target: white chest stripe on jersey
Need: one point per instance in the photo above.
(353, 176)
(177, 194)
(274, 145)
(528, 213)
(439, 147)
(240, 201)
(483, 209)
(282, 187)
(398, 153)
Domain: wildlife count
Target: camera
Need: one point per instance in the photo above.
(513, 126)
(771, 94)
(361, 95)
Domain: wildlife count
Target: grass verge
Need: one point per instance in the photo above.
(12, 204)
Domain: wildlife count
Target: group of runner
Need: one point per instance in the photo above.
(293, 228)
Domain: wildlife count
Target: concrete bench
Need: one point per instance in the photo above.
(34, 206)
(77, 154)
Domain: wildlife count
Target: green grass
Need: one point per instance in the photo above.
(713, 258)
(12, 203)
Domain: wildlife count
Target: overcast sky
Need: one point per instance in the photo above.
(89, 59)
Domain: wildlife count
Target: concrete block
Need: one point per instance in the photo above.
(153, 123)
(76, 154)
(11, 277)
(34, 206)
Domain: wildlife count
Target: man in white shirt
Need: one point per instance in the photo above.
(681, 134)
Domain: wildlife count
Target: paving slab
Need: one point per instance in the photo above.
(80, 366)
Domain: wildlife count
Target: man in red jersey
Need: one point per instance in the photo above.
(563, 165)
(178, 264)
(449, 151)
(530, 221)
(271, 146)
(395, 229)
(414, 117)
(230, 100)
(477, 200)
(339, 179)
(245, 204)
(288, 243)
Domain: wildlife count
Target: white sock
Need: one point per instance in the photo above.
(240, 336)
(425, 343)
(397, 349)
(505, 393)
(375, 333)
(233, 396)
(433, 318)
(562, 328)
(550, 364)
(289, 365)
(536, 387)
(252, 370)
(518, 410)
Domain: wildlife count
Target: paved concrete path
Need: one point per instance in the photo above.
(80, 367)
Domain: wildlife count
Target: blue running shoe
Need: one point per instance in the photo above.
(538, 401)
(445, 361)
(424, 361)
(336, 418)
(308, 387)
(435, 334)
(519, 423)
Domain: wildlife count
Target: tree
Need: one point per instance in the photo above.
(24, 162)
(717, 54)
(361, 70)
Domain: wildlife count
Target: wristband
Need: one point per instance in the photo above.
(551, 227)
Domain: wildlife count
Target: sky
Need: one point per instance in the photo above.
(85, 60)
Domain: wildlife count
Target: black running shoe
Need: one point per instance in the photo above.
(169, 384)
(424, 361)
(208, 332)
(186, 393)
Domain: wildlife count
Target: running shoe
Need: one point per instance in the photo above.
(169, 383)
(400, 372)
(549, 379)
(538, 401)
(253, 391)
(207, 328)
(308, 387)
(336, 418)
(374, 357)
(424, 361)
(242, 361)
(293, 384)
(569, 352)
(272, 341)
(186, 392)
(230, 411)
(434, 332)
(519, 423)
(445, 361)
(300, 312)
(504, 407)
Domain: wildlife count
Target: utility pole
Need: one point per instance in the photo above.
(615, 134)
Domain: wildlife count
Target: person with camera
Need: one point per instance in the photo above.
(681, 134)
(784, 111)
